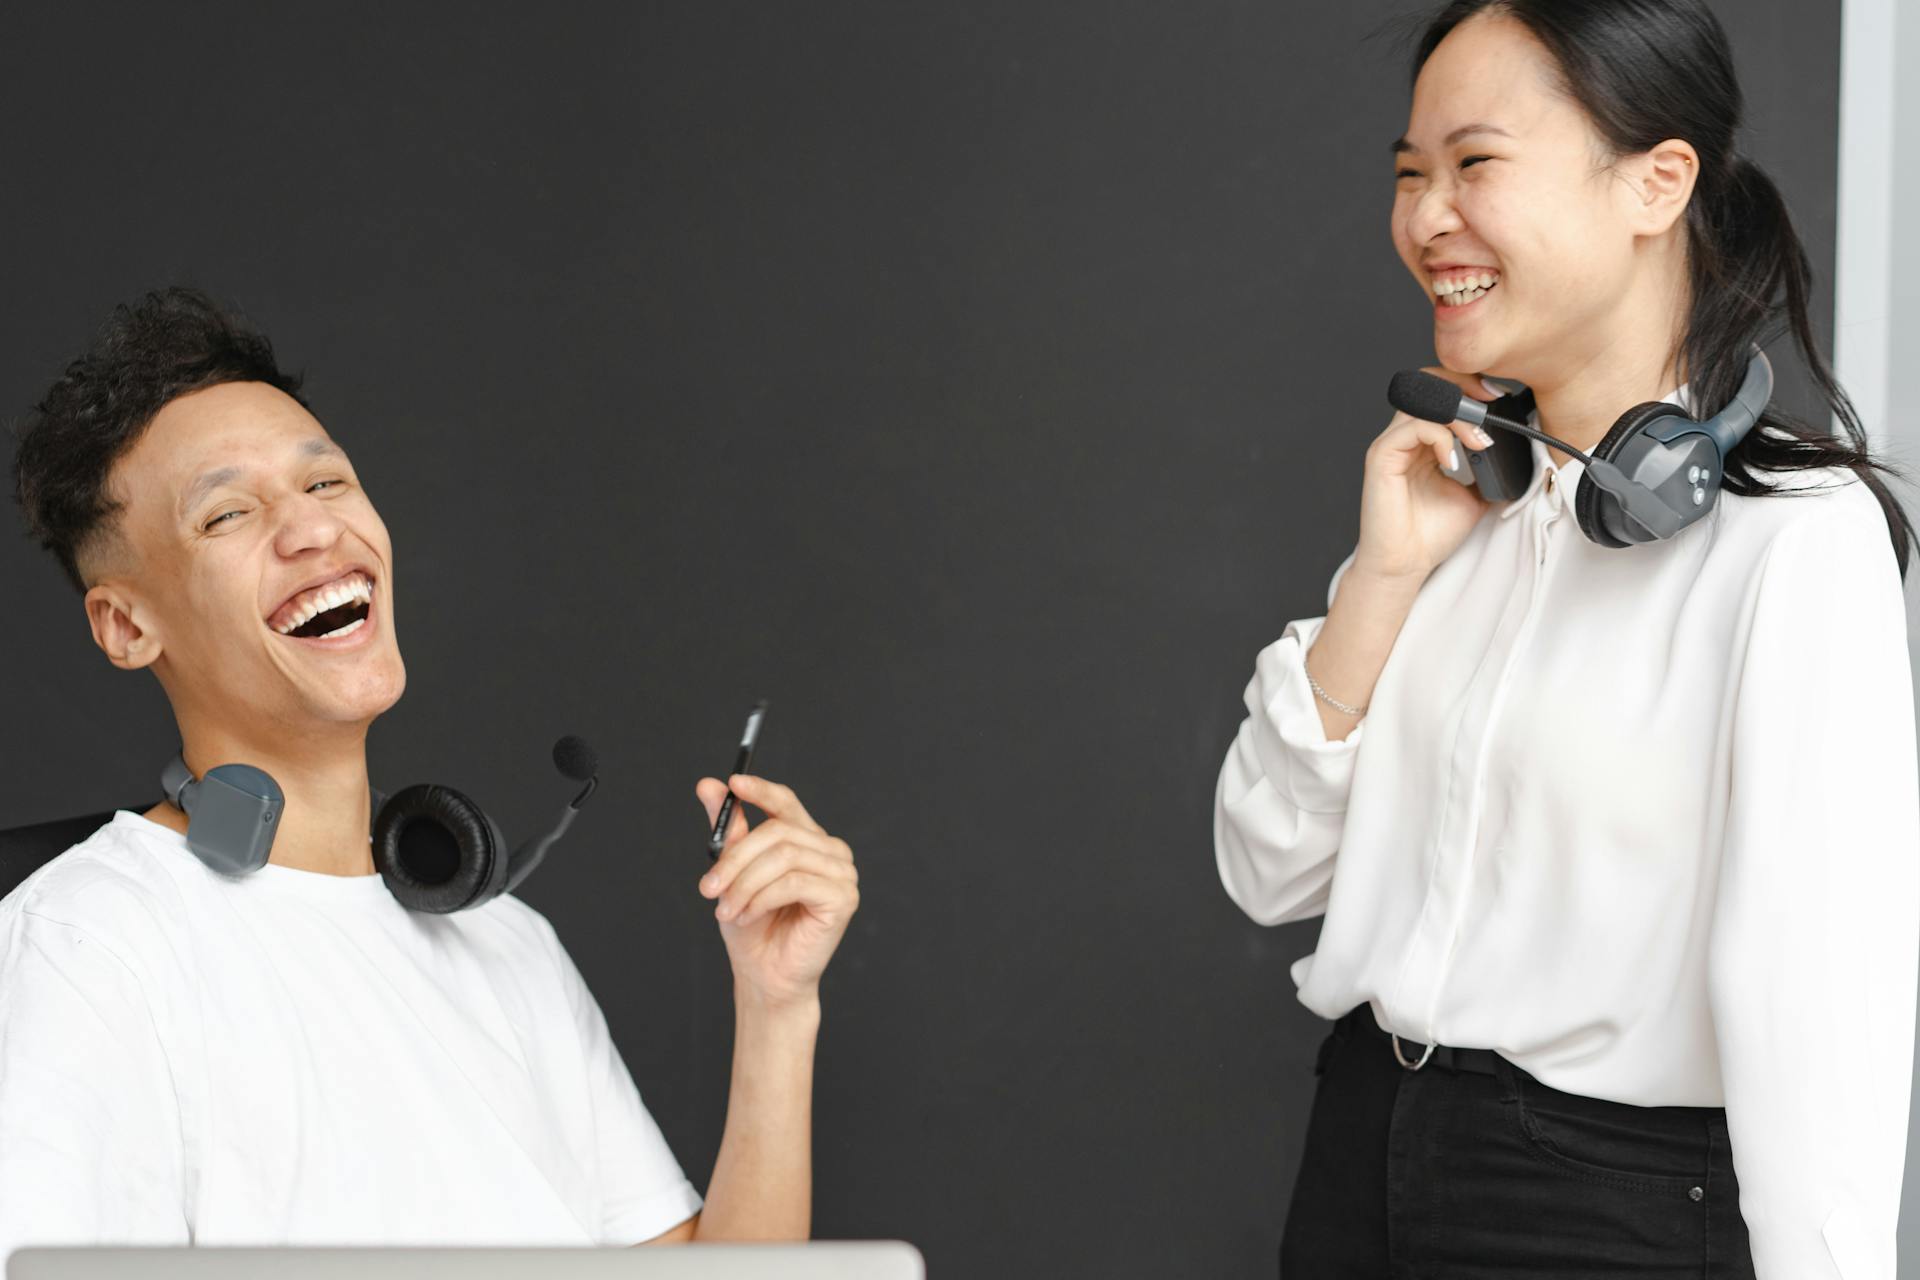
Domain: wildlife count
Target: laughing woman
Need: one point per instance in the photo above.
(1617, 845)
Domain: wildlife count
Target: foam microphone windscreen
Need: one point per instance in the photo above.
(1424, 395)
(573, 757)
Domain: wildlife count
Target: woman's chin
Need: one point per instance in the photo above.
(1465, 351)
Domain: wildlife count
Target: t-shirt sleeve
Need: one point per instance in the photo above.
(90, 1135)
(642, 1189)
(1816, 926)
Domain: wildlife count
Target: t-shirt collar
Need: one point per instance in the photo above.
(313, 885)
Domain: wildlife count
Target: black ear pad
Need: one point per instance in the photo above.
(437, 851)
(1589, 498)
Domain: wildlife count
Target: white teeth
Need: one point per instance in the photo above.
(347, 630)
(332, 596)
(1465, 284)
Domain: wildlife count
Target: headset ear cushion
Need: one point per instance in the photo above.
(437, 850)
(1589, 498)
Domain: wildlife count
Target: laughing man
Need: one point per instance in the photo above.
(290, 1056)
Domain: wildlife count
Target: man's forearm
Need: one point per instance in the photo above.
(762, 1187)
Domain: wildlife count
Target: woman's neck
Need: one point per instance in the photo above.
(1582, 407)
(1634, 358)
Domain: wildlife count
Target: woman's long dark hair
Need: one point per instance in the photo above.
(1649, 70)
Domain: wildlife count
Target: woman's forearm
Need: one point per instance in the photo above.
(1352, 647)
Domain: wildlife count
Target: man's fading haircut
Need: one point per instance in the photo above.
(152, 351)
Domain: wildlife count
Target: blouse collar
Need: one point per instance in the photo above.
(1572, 468)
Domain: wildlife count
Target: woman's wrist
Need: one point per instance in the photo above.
(1328, 698)
(1351, 647)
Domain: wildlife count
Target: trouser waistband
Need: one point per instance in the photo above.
(1359, 1021)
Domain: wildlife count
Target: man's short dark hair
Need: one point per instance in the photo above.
(167, 344)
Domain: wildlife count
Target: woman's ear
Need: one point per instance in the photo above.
(1661, 181)
(122, 627)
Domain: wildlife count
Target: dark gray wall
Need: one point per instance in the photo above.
(984, 384)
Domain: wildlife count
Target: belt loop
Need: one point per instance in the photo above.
(1411, 1066)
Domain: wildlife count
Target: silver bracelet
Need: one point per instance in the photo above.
(1324, 695)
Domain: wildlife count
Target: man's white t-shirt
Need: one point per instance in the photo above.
(295, 1058)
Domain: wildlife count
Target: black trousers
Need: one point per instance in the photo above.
(1449, 1172)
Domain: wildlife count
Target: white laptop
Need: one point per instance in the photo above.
(821, 1260)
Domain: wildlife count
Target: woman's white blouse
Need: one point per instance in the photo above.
(1644, 821)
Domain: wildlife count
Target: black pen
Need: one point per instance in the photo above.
(718, 840)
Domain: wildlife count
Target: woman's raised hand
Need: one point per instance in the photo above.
(1412, 516)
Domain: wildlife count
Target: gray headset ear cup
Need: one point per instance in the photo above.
(1588, 498)
(437, 851)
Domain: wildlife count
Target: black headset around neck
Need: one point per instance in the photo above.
(1656, 471)
(437, 850)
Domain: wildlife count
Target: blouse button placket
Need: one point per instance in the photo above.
(1546, 510)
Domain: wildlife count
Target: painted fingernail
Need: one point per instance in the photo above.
(1453, 459)
(1481, 437)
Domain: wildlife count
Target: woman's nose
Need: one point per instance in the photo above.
(1433, 214)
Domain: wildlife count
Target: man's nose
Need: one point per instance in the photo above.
(306, 523)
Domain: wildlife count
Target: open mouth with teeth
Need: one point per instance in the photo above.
(1462, 290)
(330, 611)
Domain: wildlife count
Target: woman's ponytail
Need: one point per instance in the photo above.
(1751, 281)
(1747, 252)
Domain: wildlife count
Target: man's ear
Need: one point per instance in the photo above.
(122, 627)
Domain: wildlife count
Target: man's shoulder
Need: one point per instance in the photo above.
(524, 938)
(526, 928)
(111, 886)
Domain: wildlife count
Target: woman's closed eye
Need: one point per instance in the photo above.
(1414, 173)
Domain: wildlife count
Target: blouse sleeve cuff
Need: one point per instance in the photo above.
(1313, 772)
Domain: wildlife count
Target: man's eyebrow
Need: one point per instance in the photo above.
(207, 482)
(1464, 131)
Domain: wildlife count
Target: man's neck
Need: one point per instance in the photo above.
(328, 816)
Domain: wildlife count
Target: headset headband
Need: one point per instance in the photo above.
(1733, 422)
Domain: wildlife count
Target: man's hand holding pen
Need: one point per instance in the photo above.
(784, 892)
